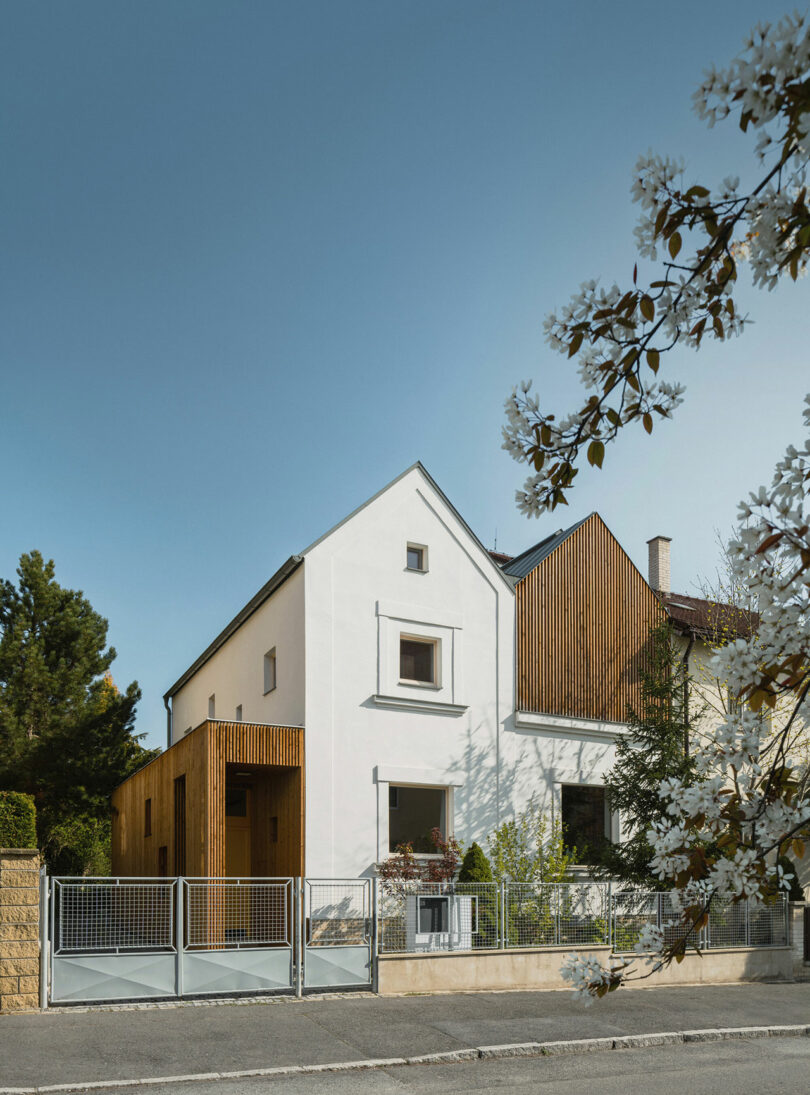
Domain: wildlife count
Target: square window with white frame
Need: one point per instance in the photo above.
(416, 558)
(413, 813)
(419, 660)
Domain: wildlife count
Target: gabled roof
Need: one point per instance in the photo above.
(710, 620)
(524, 564)
(294, 561)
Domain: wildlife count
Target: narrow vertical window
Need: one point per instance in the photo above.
(270, 671)
(163, 861)
(147, 817)
(180, 825)
(212, 706)
(239, 713)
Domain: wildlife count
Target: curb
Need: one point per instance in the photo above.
(478, 1053)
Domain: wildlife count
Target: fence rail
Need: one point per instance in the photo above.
(731, 924)
(131, 915)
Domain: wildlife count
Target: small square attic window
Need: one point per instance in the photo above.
(416, 558)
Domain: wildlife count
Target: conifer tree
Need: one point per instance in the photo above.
(66, 731)
(656, 747)
(475, 866)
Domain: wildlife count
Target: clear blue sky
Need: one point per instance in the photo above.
(259, 257)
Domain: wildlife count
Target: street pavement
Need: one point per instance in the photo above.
(98, 1045)
(779, 1067)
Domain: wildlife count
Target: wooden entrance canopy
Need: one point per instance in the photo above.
(169, 817)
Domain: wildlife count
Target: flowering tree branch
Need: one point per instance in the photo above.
(620, 337)
(720, 837)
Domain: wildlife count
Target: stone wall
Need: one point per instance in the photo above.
(19, 929)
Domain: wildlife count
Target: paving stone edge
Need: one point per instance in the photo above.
(512, 1049)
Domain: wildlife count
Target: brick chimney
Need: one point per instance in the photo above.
(659, 563)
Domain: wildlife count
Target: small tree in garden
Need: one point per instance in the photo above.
(530, 848)
(401, 872)
(475, 866)
(656, 747)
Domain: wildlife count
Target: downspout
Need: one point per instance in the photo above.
(168, 721)
(685, 662)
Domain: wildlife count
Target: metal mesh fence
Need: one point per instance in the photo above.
(238, 913)
(107, 916)
(338, 912)
(549, 915)
(435, 916)
(731, 924)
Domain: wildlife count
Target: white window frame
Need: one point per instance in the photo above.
(412, 546)
(433, 778)
(436, 646)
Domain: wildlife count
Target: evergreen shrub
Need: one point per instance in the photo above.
(18, 820)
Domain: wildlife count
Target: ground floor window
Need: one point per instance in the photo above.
(412, 813)
(586, 820)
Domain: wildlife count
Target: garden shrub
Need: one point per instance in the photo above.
(18, 820)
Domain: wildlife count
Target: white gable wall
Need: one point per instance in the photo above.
(359, 599)
(235, 673)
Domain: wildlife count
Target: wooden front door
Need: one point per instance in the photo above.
(237, 831)
(237, 862)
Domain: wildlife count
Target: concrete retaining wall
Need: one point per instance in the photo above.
(491, 971)
(19, 929)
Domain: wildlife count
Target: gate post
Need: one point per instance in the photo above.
(179, 917)
(375, 938)
(502, 901)
(298, 936)
(44, 964)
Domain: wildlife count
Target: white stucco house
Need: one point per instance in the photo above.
(436, 684)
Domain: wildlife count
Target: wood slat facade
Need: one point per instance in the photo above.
(268, 759)
(583, 620)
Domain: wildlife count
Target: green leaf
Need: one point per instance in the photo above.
(575, 344)
(653, 360)
(647, 307)
(675, 242)
(648, 422)
(596, 453)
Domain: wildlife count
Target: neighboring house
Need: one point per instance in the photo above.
(393, 677)
(701, 626)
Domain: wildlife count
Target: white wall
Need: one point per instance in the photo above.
(235, 674)
(359, 597)
(544, 752)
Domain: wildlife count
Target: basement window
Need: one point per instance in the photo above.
(270, 671)
(413, 812)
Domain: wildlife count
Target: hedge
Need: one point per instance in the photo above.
(18, 820)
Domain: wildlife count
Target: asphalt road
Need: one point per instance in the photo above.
(777, 1066)
(81, 1047)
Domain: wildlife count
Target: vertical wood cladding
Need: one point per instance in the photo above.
(583, 621)
(274, 758)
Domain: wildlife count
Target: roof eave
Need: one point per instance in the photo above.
(268, 589)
